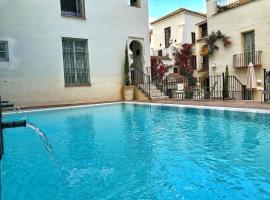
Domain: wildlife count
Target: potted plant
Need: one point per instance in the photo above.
(128, 89)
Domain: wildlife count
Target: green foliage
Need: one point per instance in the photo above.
(226, 84)
(213, 38)
(126, 69)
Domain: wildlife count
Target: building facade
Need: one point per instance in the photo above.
(202, 66)
(69, 51)
(246, 22)
(173, 30)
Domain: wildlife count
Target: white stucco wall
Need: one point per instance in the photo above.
(34, 28)
(252, 16)
(181, 25)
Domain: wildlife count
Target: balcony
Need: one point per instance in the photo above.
(242, 60)
(223, 5)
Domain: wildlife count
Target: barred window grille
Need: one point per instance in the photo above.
(134, 3)
(72, 8)
(76, 67)
(4, 51)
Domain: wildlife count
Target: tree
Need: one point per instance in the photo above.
(226, 84)
(126, 69)
(183, 59)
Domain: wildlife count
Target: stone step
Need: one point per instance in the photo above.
(160, 98)
(157, 94)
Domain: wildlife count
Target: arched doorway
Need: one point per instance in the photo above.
(136, 65)
(137, 52)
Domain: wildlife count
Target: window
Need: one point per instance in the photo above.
(4, 51)
(204, 30)
(135, 3)
(194, 62)
(159, 52)
(167, 32)
(249, 47)
(175, 70)
(193, 37)
(72, 8)
(75, 57)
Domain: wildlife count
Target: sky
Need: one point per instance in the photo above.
(159, 8)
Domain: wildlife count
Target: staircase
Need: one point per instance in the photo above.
(155, 90)
(155, 93)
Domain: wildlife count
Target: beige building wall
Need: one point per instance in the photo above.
(234, 22)
(34, 75)
(200, 42)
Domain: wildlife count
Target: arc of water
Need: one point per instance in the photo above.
(46, 143)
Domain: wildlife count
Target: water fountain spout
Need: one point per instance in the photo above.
(7, 105)
(14, 124)
(4, 125)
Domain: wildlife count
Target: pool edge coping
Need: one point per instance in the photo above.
(220, 108)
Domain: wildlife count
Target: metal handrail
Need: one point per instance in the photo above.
(141, 80)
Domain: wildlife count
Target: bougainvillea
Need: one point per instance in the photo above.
(158, 68)
(183, 59)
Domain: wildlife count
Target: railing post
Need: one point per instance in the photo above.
(244, 88)
(149, 85)
(223, 83)
(166, 86)
(1, 132)
(264, 83)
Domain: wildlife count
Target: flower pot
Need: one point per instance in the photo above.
(128, 93)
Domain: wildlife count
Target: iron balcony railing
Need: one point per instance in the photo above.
(223, 5)
(244, 59)
(73, 8)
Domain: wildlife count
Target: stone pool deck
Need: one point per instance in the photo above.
(219, 103)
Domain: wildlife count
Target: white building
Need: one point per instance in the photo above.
(246, 22)
(69, 51)
(174, 30)
(171, 31)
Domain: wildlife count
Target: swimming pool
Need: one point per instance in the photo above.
(130, 151)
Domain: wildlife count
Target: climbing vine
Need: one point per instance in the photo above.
(211, 42)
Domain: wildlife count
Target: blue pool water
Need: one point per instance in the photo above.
(127, 151)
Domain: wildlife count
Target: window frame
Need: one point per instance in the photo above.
(194, 62)
(77, 15)
(75, 61)
(167, 36)
(193, 38)
(135, 6)
(6, 52)
(249, 41)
